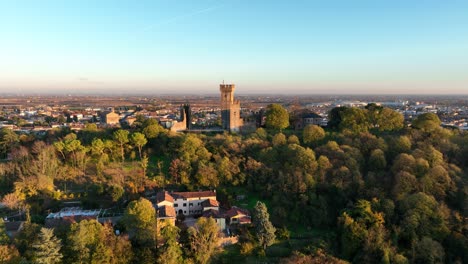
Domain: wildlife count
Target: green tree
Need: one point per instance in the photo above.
(8, 140)
(312, 133)
(427, 122)
(362, 234)
(428, 251)
(116, 192)
(91, 127)
(404, 183)
(323, 166)
(293, 139)
(373, 112)
(389, 120)
(121, 138)
(398, 145)
(91, 242)
(179, 171)
(170, 252)
(261, 133)
(23, 239)
(404, 162)
(97, 147)
(47, 248)
(334, 117)
(377, 160)
(207, 176)
(139, 140)
(437, 182)
(227, 169)
(152, 131)
(144, 162)
(83, 239)
(422, 217)
(383, 118)
(265, 230)
(277, 117)
(203, 239)
(4, 239)
(72, 150)
(354, 120)
(140, 219)
(352, 235)
(279, 139)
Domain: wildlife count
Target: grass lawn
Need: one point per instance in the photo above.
(250, 199)
(153, 164)
(300, 236)
(274, 253)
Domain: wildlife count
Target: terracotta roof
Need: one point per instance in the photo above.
(193, 194)
(212, 213)
(166, 211)
(210, 203)
(235, 211)
(164, 196)
(245, 220)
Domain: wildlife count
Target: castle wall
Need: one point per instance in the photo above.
(182, 124)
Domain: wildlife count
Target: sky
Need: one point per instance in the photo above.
(189, 47)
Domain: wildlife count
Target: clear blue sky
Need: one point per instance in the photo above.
(169, 46)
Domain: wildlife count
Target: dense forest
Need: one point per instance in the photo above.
(369, 188)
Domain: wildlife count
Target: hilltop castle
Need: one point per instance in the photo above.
(230, 109)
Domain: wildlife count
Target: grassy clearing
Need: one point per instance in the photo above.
(249, 200)
(301, 237)
(153, 164)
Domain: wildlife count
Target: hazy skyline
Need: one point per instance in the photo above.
(282, 47)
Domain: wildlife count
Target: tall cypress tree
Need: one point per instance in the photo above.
(265, 229)
(47, 248)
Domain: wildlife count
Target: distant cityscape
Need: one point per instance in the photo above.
(38, 114)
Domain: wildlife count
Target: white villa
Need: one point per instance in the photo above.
(202, 203)
(188, 203)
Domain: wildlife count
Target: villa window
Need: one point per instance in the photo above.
(176, 205)
(185, 204)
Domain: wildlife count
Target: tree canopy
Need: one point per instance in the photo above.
(277, 117)
(265, 230)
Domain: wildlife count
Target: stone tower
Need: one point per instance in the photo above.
(188, 115)
(230, 109)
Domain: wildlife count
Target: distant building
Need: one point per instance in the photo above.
(305, 119)
(230, 109)
(129, 120)
(70, 215)
(110, 117)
